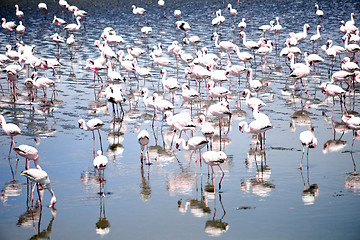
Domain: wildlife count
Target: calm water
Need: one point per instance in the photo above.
(260, 198)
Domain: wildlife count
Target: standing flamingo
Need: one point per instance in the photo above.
(144, 139)
(41, 178)
(193, 144)
(161, 4)
(29, 153)
(353, 122)
(11, 130)
(92, 125)
(139, 11)
(215, 158)
(223, 45)
(308, 140)
(100, 163)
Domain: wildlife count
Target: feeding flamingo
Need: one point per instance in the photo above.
(144, 139)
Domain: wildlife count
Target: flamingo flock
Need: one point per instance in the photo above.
(202, 77)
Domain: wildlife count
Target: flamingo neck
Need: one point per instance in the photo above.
(2, 120)
(184, 145)
(217, 41)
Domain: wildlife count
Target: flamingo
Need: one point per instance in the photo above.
(244, 56)
(43, 8)
(220, 110)
(114, 95)
(193, 144)
(148, 101)
(242, 24)
(186, 57)
(266, 28)
(250, 45)
(316, 37)
(100, 163)
(223, 45)
(92, 125)
(181, 122)
(9, 26)
(144, 139)
(301, 36)
(169, 84)
(189, 94)
(277, 27)
(143, 71)
(233, 12)
(29, 153)
(333, 90)
(236, 70)
(307, 139)
(19, 14)
(319, 13)
(263, 51)
(207, 129)
(41, 82)
(254, 84)
(41, 178)
(161, 105)
(177, 13)
(135, 51)
(353, 122)
(217, 92)
(112, 74)
(11, 130)
(349, 66)
(161, 4)
(72, 27)
(252, 102)
(139, 11)
(183, 26)
(215, 158)
(257, 126)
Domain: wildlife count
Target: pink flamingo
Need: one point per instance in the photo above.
(252, 102)
(181, 121)
(223, 45)
(29, 153)
(353, 122)
(139, 11)
(19, 14)
(92, 125)
(144, 139)
(9, 26)
(308, 140)
(11, 130)
(161, 4)
(41, 178)
(333, 90)
(100, 163)
(193, 144)
(215, 158)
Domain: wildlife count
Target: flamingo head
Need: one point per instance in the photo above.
(52, 201)
(241, 126)
(81, 122)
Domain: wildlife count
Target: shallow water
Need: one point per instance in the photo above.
(261, 197)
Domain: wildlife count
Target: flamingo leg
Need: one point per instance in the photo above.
(223, 174)
(302, 157)
(100, 140)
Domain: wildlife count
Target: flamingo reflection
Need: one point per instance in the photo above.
(33, 216)
(310, 192)
(102, 225)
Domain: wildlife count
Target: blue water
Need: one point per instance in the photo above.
(258, 199)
